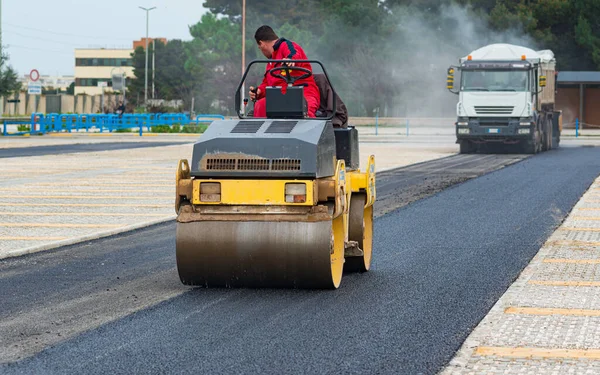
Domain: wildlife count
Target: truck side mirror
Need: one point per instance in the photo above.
(450, 79)
(542, 81)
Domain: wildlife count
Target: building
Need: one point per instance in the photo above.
(142, 42)
(577, 96)
(61, 83)
(94, 66)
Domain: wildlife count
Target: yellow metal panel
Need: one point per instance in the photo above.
(254, 192)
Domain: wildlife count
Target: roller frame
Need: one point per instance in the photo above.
(335, 214)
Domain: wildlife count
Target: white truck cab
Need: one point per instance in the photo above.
(504, 98)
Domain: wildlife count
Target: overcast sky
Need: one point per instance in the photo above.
(43, 34)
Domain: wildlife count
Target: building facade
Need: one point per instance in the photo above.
(61, 83)
(577, 96)
(142, 42)
(93, 66)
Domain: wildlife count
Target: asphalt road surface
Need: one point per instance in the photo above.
(440, 263)
(16, 152)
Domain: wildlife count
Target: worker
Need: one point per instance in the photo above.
(276, 48)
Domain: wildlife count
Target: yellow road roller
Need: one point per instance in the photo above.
(275, 202)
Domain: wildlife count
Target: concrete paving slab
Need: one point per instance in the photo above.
(548, 321)
(48, 201)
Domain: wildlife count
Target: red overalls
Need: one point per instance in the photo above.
(282, 49)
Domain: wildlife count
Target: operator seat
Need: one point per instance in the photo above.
(340, 119)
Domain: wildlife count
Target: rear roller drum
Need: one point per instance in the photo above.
(360, 229)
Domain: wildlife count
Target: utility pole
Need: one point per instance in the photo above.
(243, 50)
(153, 64)
(146, 72)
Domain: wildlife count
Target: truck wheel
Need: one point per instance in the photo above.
(466, 147)
(550, 135)
(529, 147)
(555, 140)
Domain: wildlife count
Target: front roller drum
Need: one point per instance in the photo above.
(261, 254)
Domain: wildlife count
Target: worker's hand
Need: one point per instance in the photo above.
(289, 63)
(254, 93)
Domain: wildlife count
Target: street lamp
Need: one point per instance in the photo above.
(146, 72)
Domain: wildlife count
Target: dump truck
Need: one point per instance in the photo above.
(506, 96)
(276, 202)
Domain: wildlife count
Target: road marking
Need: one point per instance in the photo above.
(84, 205)
(75, 214)
(79, 197)
(595, 218)
(564, 283)
(551, 311)
(573, 261)
(75, 183)
(579, 229)
(573, 243)
(14, 238)
(95, 191)
(537, 352)
(59, 225)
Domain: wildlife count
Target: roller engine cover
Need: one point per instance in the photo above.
(265, 148)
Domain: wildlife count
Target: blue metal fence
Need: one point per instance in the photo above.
(41, 123)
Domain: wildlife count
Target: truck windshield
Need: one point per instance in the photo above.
(494, 80)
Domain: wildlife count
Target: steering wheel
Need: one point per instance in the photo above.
(289, 79)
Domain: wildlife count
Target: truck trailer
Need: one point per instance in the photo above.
(506, 97)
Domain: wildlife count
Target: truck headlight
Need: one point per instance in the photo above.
(462, 123)
(463, 131)
(523, 131)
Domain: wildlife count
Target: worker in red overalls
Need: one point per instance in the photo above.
(276, 48)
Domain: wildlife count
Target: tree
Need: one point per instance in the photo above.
(8, 78)
(71, 89)
(214, 60)
(171, 80)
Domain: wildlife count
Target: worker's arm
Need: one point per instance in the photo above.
(262, 88)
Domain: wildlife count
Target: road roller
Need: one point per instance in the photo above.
(275, 202)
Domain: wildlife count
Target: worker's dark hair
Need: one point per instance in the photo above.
(265, 34)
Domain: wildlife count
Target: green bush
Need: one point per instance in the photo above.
(23, 128)
(160, 129)
(194, 128)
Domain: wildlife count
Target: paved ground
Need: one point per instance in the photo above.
(18, 152)
(50, 200)
(548, 321)
(440, 264)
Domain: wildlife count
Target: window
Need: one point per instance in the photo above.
(495, 80)
(103, 62)
(91, 82)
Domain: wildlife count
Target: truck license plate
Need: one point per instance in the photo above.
(492, 130)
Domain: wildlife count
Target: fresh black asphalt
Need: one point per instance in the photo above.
(439, 266)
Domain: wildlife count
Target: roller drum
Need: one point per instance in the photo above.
(259, 254)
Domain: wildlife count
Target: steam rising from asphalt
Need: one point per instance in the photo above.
(427, 45)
